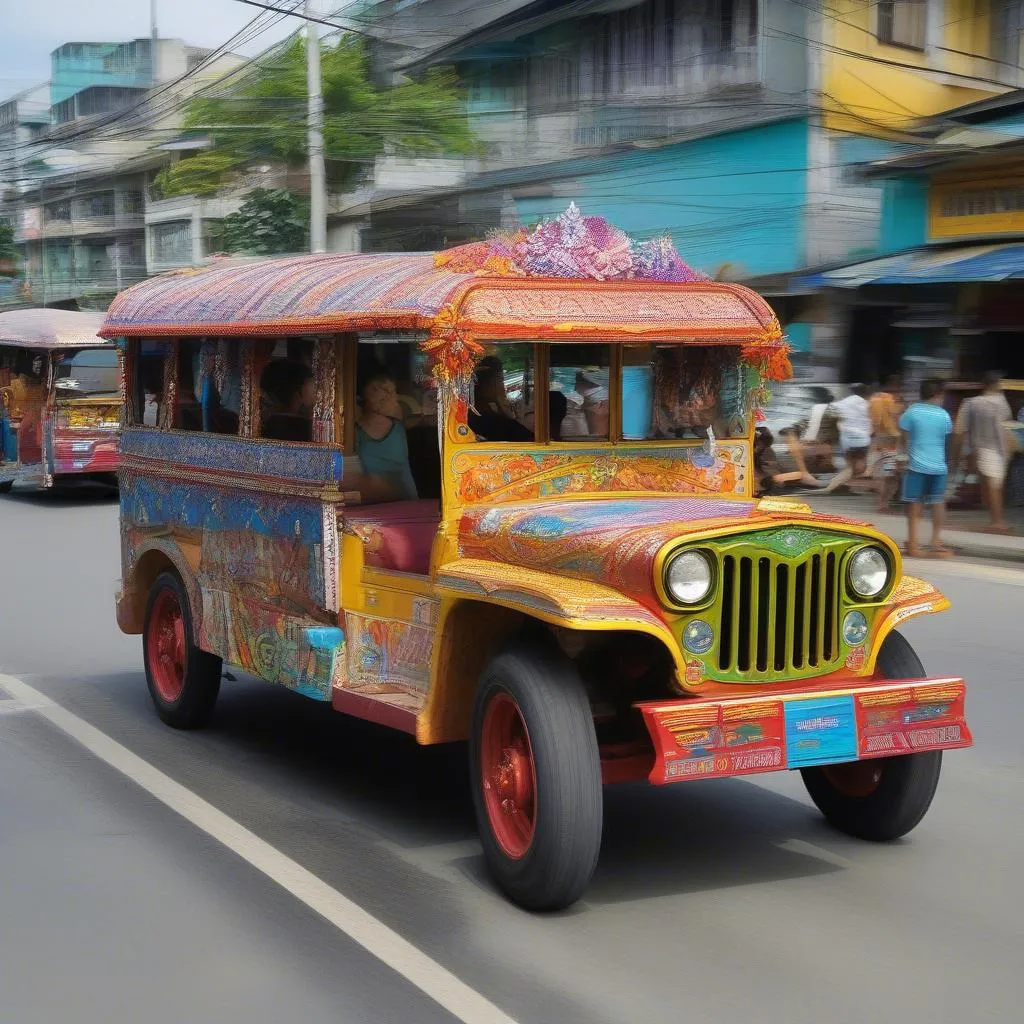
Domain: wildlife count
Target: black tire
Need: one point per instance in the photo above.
(201, 674)
(5, 487)
(901, 788)
(557, 865)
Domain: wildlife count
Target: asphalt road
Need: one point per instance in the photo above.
(719, 900)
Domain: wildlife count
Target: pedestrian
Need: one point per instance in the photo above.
(854, 435)
(925, 435)
(884, 409)
(983, 424)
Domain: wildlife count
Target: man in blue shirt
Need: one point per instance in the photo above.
(925, 428)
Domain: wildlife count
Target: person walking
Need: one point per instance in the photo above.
(884, 410)
(925, 430)
(984, 421)
(854, 435)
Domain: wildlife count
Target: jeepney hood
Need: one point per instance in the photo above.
(615, 542)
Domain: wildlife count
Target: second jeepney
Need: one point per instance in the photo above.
(472, 500)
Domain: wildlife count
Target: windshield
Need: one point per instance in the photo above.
(88, 373)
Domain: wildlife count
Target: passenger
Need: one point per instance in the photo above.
(558, 406)
(592, 387)
(289, 387)
(381, 442)
(490, 416)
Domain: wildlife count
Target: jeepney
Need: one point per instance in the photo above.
(60, 398)
(574, 579)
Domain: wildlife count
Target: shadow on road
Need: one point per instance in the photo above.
(64, 495)
(316, 779)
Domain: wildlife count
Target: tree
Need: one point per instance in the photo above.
(263, 119)
(8, 253)
(269, 221)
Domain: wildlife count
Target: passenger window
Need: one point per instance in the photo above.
(209, 386)
(396, 423)
(147, 399)
(683, 391)
(502, 407)
(580, 375)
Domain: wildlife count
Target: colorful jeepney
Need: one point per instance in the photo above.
(60, 398)
(574, 577)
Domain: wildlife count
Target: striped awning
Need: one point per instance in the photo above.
(50, 328)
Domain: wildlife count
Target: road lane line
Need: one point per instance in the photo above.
(435, 981)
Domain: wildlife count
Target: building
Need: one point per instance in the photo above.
(79, 181)
(735, 125)
(949, 297)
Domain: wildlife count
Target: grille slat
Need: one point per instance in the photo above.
(778, 615)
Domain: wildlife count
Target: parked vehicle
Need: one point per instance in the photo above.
(586, 610)
(60, 398)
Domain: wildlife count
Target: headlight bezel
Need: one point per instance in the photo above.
(669, 596)
(878, 595)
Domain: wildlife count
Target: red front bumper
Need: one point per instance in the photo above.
(718, 737)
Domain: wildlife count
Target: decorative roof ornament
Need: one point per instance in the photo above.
(572, 246)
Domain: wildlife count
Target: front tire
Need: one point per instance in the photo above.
(536, 776)
(183, 681)
(884, 798)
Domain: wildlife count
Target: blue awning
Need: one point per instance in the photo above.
(928, 266)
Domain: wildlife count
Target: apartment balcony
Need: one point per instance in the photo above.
(60, 285)
(79, 227)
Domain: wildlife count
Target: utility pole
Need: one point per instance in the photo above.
(153, 38)
(317, 175)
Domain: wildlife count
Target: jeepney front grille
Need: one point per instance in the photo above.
(779, 617)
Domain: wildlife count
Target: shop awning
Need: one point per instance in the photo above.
(927, 266)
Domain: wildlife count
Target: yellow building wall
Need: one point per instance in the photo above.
(870, 88)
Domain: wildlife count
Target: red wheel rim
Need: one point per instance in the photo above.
(857, 779)
(509, 779)
(165, 645)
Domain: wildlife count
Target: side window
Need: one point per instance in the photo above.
(148, 359)
(504, 392)
(208, 385)
(396, 423)
(580, 374)
(683, 391)
(287, 389)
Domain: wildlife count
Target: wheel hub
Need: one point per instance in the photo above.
(508, 777)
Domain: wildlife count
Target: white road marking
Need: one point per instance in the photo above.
(435, 981)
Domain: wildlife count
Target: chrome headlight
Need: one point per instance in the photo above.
(689, 577)
(869, 572)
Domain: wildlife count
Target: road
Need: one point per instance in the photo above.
(719, 900)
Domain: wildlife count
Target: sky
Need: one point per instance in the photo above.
(31, 29)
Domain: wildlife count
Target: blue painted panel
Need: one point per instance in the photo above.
(739, 197)
(305, 464)
(904, 215)
(820, 730)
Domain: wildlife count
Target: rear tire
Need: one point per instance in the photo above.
(879, 799)
(536, 775)
(183, 681)
(5, 487)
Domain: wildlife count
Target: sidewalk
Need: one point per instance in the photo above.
(962, 532)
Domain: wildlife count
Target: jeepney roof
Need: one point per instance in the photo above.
(329, 293)
(51, 328)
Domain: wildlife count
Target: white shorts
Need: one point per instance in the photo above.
(990, 463)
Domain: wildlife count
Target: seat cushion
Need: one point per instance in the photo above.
(397, 535)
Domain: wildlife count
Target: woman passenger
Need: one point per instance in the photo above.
(381, 442)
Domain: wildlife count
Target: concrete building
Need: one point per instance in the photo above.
(79, 189)
(735, 125)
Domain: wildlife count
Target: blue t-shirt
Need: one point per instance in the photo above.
(927, 427)
(388, 456)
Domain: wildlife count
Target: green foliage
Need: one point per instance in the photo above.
(269, 221)
(8, 253)
(264, 119)
(200, 175)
